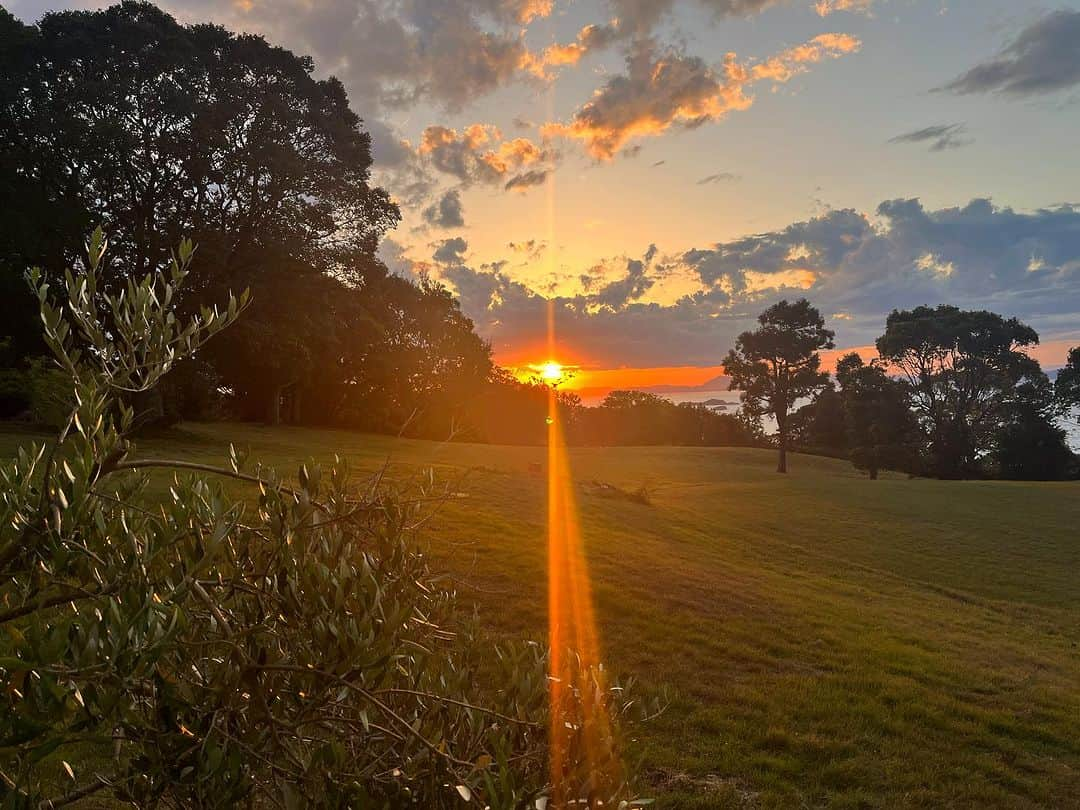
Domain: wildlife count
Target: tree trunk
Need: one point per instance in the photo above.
(273, 406)
(781, 432)
(296, 415)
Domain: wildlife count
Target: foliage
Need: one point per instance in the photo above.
(962, 368)
(820, 426)
(158, 129)
(1067, 384)
(170, 130)
(778, 363)
(1028, 445)
(38, 393)
(881, 428)
(290, 650)
(639, 418)
(506, 410)
(424, 365)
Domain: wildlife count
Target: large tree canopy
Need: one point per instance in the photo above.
(778, 363)
(964, 370)
(157, 131)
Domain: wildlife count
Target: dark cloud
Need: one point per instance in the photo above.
(719, 177)
(512, 316)
(533, 177)
(940, 137)
(617, 295)
(822, 242)
(393, 53)
(640, 17)
(388, 150)
(853, 268)
(1025, 264)
(451, 251)
(447, 212)
(1043, 58)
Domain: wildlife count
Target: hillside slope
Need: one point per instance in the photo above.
(830, 641)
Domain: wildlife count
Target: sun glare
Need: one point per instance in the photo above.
(551, 371)
(580, 730)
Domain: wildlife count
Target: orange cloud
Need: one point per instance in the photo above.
(793, 278)
(478, 153)
(826, 7)
(658, 93)
(790, 63)
(558, 55)
(531, 9)
(512, 155)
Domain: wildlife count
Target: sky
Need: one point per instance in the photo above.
(657, 172)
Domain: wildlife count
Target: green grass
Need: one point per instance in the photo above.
(830, 641)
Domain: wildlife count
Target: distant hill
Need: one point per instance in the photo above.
(717, 383)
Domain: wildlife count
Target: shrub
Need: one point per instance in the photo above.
(38, 394)
(14, 395)
(52, 394)
(165, 642)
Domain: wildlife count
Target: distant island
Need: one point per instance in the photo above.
(719, 404)
(721, 382)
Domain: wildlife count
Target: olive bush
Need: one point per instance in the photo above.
(166, 641)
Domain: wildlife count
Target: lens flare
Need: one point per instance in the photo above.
(582, 749)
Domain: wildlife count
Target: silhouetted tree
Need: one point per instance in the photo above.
(158, 131)
(637, 418)
(1031, 447)
(778, 363)
(962, 368)
(1067, 384)
(125, 118)
(1028, 445)
(881, 429)
(819, 426)
(294, 348)
(425, 364)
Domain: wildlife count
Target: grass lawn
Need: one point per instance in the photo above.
(829, 641)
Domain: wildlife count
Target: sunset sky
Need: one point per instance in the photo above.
(665, 169)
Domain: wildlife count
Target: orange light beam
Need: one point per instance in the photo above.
(580, 727)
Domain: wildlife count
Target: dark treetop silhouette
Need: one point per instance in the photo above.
(778, 363)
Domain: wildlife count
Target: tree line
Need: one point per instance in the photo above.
(156, 131)
(950, 394)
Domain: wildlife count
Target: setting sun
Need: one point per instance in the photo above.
(551, 371)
